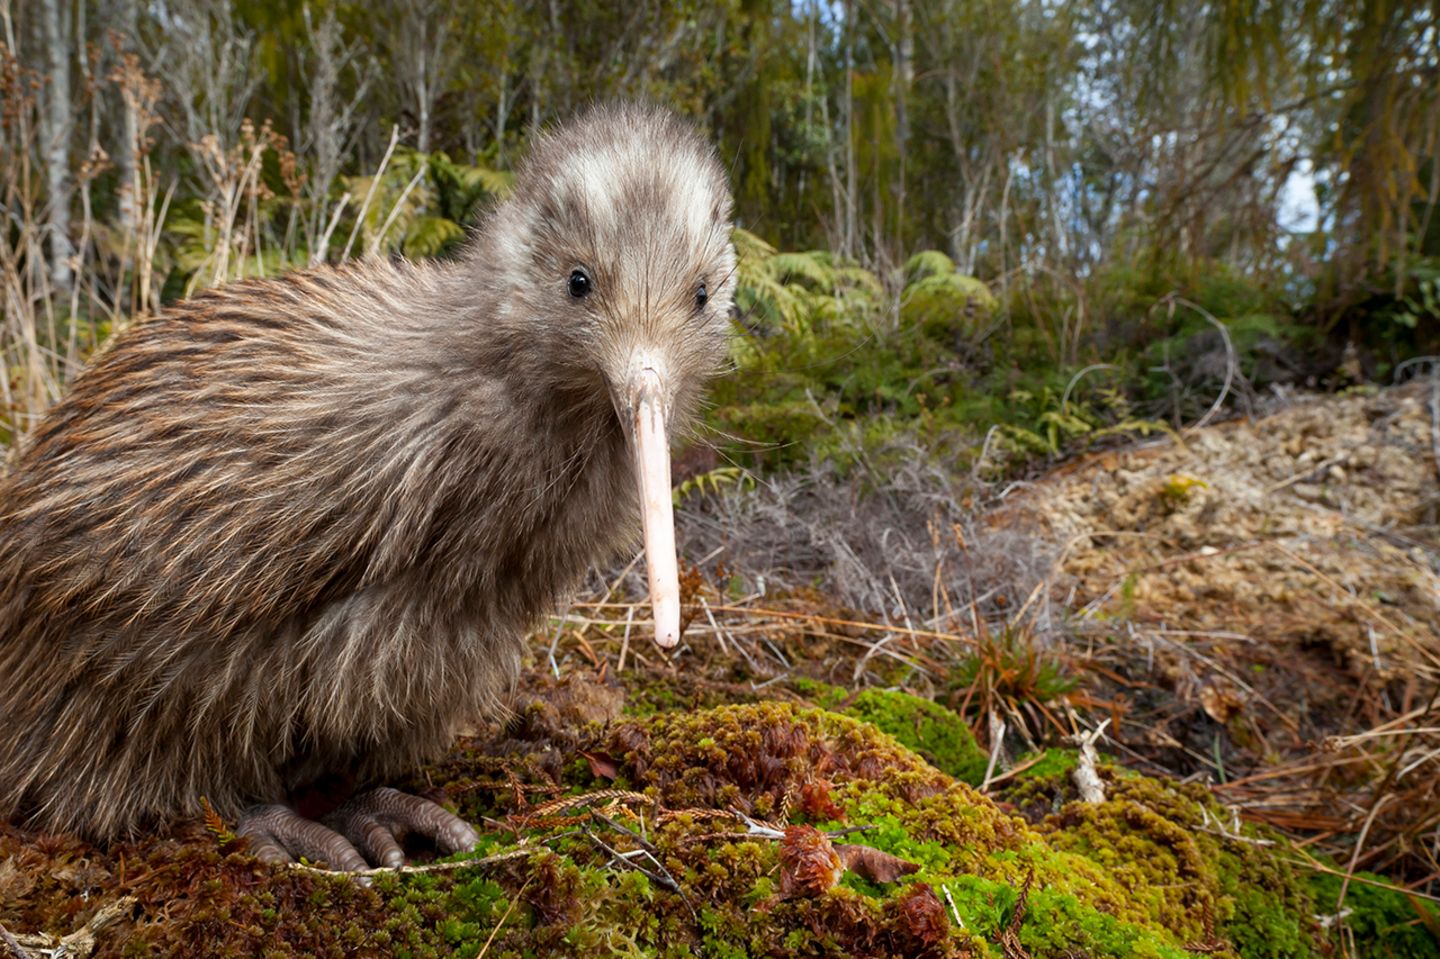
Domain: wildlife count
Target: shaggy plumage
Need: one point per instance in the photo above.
(300, 525)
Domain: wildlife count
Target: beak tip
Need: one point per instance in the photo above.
(667, 630)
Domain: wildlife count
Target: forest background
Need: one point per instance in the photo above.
(1182, 201)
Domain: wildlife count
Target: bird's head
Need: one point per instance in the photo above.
(614, 250)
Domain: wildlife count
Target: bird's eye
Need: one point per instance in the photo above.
(701, 296)
(579, 284)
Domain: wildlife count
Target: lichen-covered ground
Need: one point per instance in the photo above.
(1230, 606)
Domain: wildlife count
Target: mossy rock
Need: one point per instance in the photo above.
(927, 263)
(945, 305)
(1147, 873)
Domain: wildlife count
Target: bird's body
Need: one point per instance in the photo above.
(300, 526)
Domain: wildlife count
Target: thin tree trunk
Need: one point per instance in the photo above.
(57, 127)
(809, 85)
(127, 15)
(848, 239)
(502, 115)
(753, 188)
(423, 94)
(1052, 191)
(904, 78)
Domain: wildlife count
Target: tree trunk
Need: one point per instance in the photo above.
(127, 15)
(849, 238)
(753, 109)
(903, 78)
(423, 95)
(57, 125)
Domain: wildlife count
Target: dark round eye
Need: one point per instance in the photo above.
(579, 284)
(701, 296)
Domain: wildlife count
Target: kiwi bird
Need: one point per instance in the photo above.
(298, 527)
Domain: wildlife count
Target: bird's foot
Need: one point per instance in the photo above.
(365, 831)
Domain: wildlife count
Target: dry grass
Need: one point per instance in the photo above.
(822, 576)
(247, 213)
(909, 544)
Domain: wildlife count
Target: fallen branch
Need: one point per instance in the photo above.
(13, 950)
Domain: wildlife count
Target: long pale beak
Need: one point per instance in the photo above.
(657, 515)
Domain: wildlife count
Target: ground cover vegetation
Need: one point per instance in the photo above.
(1024, 434)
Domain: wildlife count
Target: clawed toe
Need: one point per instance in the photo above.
(380, 817)
(365, 830)
(279, 834)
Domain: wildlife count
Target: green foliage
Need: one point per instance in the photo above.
(825, 370)
(712, 481)
(925, 264)
(1423, 307)
(463, 190)
(1402, 320)
(1005, 143)
(928, 729)
(798, 293)
(1392, 924)
(423, 203)
(948, 303)
(431, 235)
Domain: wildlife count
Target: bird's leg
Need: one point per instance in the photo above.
(366, 830)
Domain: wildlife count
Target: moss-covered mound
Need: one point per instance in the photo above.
(718, 833)
(935, 733)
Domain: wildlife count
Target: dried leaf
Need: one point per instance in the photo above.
(601, 765)
(869, 863)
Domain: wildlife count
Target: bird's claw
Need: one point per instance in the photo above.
(365, 831)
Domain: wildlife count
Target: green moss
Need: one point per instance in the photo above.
(1390, 923)
(1050, 764)
(927, 263)
(948, 303)
(1129, 877)
(1059, 924)
(924, 727)
(821, 694)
